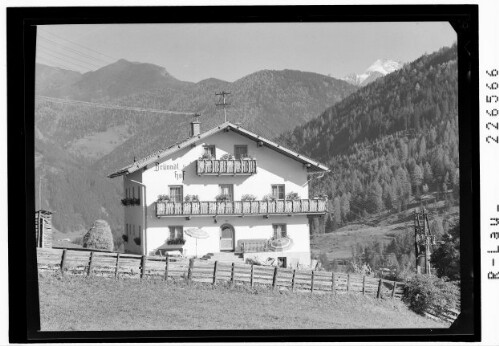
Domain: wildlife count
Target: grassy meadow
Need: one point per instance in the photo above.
(89, 304)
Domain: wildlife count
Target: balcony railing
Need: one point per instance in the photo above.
(226, 167)
(240, 208)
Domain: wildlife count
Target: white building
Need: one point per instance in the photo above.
(242, 203)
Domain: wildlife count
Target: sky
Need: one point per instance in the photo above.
(193, 52)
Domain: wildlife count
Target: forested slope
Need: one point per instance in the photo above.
(390, 141)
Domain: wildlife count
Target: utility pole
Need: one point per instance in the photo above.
(222, 103)
(424, 239)
(40, 193)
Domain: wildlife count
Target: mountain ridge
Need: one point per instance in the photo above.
(379, 68)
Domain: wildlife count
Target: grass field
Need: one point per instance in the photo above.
(73, 303)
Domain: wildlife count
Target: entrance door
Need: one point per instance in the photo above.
(227, 238)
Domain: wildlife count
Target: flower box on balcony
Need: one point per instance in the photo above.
(130, 201)
(226, 167)
(241, 208)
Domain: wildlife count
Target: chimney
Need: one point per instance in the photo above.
(195, 128)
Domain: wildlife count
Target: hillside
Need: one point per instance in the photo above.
(97, 140)
(52, 81)
(389, 143)
(118, 79)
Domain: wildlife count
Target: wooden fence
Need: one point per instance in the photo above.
(82, 262)
(88, 263)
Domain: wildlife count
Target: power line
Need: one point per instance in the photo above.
(42, 46)
(108, 106)
(69, 57)
(80, 45)
(79, 52)
(48, 62)
(53, 56)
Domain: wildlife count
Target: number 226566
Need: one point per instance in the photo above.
(494, 111)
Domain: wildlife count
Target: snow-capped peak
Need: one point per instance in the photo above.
(384, 66)
(379, 68)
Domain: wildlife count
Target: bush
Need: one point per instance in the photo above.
(137, 240)
(179, 241)
(423, 292)
(125, 238)
(222, 197)
(99, 236)
(293, 196)
(447, 257)
(206, 156)
(268, 197)
(227, 157)
(191, 198)
(248, 197)
(163, 198)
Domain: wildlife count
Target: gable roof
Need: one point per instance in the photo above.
(312, 165)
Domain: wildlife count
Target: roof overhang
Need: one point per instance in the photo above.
(311, 165)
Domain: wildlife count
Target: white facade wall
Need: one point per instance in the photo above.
(249, 227)
(180, 169)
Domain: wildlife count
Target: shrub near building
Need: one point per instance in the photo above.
(424, 292)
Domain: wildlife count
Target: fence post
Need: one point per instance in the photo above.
(312, 283)
(251, 277)
(167, 264)
(363, 284)
(191, 266)
(393, 290)
(215, 273)
(379, 295)
(117, 265)
(293, 280)
(274, 279)
(63, 261)
(333, 289)
(142, 266)
(89, 269)
(348, 282)
(232, 274)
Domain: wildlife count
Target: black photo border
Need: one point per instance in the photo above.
(24, 319)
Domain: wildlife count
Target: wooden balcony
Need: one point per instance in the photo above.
(242, 208)
(226, 167)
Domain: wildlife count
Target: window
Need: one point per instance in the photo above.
(133, 191)
(279, 231)
(240, 151)
(133, 230)
(126, 192)
(176, 194)
(282, 262)
(209, 150)
(176, 232)
(127, 230)
(228, 190)
(140, 233)
(278, 191)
